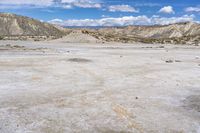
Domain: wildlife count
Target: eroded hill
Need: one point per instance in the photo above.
(179, 33)
(19, 27)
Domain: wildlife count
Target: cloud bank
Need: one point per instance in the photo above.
(27, 2)
(124, 21)
(192, 9)
(82, 3)
(122, 8)
(67, 4)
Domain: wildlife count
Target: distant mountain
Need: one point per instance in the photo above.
(157, 31)
(178, 33)
(15, 25)
(89, 27)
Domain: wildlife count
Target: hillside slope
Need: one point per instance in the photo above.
(165, 31)
(14, 25)
(179, 33)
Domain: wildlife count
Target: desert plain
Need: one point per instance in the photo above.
(55, 87)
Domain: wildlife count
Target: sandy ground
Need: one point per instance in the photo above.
(62, 88)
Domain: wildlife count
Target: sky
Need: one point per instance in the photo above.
(105, 12)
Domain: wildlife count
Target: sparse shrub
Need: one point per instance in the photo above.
(36, 39)
(1, 37)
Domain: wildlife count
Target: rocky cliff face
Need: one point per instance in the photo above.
(14, 25)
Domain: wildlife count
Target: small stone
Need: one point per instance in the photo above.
(136, 97)
(169, 61)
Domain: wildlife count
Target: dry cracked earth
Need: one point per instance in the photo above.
(49, 87)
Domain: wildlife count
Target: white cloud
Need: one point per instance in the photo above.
(192, 9)
(170, 20)
(82, 3)
(56, 20)
(124, 21)
(142, 4)
(122, 8)
(130, 20)
(104, 16)
(67, 4)
(27, 2)
(88, 5)
(167, 10)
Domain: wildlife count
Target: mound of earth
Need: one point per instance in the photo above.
(78, 36)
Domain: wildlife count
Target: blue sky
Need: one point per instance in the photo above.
(105, 12)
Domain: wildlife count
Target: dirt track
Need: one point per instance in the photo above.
(60, 88)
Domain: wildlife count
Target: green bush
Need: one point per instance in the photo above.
(1, 37)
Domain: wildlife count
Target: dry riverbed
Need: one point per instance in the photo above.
(49, 87)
